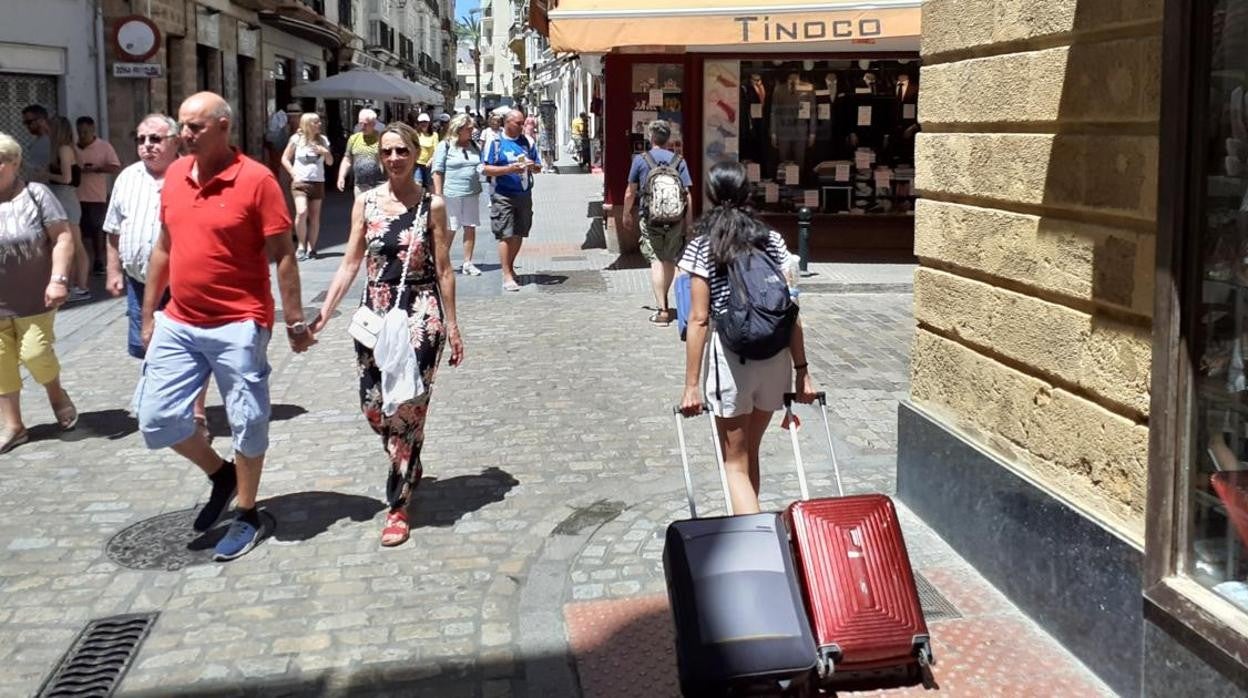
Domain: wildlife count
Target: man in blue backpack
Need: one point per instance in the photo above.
(511, 160)
(660, 179)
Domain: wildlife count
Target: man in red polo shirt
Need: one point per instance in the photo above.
(224, 218)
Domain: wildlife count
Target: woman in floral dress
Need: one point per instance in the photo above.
(394, 225)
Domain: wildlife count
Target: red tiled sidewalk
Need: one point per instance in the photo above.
(624, 648)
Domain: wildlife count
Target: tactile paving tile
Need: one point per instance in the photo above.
(623, 648)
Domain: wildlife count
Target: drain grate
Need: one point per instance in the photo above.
(97, 661)
(935, 605)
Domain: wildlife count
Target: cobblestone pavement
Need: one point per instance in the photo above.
(551, 470)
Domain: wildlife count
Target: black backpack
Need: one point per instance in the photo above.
(758, 320)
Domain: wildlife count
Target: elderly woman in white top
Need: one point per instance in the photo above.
(457, 179)
(36, 248)
(305, 158)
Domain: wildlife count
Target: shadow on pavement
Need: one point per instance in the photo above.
(441, 503)
(629, 260)
(303, 516)
(118, 424)
(409, 678)
(542, 279)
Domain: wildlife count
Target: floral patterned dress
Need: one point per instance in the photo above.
(388, 239)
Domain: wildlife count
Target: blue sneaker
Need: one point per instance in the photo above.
(238, 541)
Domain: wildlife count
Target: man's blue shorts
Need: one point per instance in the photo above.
(179, 360)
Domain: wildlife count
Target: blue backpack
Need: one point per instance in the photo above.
(758, 320)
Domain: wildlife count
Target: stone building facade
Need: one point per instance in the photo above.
(1026, 440)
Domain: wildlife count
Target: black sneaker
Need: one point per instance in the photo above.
(224, 487)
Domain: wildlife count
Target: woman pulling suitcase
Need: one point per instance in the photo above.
(732, 263)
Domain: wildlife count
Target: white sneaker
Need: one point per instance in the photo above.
(470, 269)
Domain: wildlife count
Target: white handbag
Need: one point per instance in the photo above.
(367, 323)
(365, 326)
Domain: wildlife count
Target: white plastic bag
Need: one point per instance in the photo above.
(400, 374)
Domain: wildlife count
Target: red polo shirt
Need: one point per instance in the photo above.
(218, 267)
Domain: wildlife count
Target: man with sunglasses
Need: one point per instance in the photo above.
(224, 218)
(39, 153)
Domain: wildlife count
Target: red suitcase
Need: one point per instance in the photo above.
(860, 593)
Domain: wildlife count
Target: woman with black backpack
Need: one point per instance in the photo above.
(738, 291)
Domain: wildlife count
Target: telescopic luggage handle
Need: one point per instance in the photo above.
(684, 460)
(822, 399)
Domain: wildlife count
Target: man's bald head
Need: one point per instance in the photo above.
(513, 123)
(205, 124)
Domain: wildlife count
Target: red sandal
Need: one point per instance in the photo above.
(396, 530)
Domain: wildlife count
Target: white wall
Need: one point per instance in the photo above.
(67, 25)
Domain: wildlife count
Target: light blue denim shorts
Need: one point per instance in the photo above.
(179, 360)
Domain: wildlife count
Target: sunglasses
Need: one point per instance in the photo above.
(150, 138)
(401, 151)
(27, 122)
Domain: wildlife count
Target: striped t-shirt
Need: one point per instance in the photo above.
(697, 261)
(134, 216)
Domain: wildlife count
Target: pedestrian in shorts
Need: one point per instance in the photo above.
(220, 205)
(661, 245)
(511, 159)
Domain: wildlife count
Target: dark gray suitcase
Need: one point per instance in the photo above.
(741, 627)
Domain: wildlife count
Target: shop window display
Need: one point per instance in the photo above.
(658, 92)
(835, 135)
(1216, 478)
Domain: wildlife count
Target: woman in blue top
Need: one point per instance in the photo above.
(457, 179)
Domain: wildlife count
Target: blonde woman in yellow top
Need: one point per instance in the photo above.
(427, 140)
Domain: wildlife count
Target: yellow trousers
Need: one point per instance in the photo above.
(27, 341)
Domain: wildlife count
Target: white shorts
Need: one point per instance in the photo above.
(463, 211)
(735, 389)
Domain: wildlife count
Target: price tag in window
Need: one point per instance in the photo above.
(864, 116)
(730, 145)
(810, 197)
(909, 111)
(771, 192)
(842, 171)
(862, 160)
(803, 110)
(792, 174)
(825, 112)
(753, 172)
(883, 177)
(656, 98)
(756, 111)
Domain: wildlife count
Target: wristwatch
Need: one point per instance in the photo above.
(59, 279)
(300, 327)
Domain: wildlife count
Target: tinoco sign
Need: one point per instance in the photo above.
(756, 29)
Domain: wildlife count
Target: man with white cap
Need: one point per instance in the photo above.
(427, 139)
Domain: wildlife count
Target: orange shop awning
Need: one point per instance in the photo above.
(598, 26)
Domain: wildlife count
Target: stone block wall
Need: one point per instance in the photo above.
(1038, 167)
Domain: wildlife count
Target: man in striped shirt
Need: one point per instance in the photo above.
(132, 222)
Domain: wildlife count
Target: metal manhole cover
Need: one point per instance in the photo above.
(167, 542)
(935, 605)
(98, 658)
